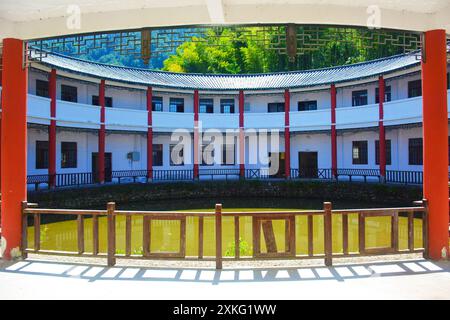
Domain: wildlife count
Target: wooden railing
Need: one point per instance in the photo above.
(405, 177)
(219, 173)
(311, 173)
(260, 221)
(74, 179)
(364, 173)
(131, 174)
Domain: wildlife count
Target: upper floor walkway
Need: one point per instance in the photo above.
(79, 115)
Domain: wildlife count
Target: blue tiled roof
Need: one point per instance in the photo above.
(267, 81)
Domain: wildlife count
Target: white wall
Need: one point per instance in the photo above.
(120, 144)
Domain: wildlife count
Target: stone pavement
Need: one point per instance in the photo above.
(407, 279)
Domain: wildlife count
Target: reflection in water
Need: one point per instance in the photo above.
(165, 234)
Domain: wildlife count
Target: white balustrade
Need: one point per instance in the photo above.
(357, 117)
(310, 120)
(219, 121)
(38, 109)
(71, 114)
(126, 119)
(168, 121)
(272, 120)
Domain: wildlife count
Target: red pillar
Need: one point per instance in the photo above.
(333, 133)
(287, 135)
(13, 143)
(382, 138)
(101, 134)
(1, 102)
(241, 135)
(52, 130)
(149, 135)
(196, 109)
(435, 140)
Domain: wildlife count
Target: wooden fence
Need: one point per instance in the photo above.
(261, 221)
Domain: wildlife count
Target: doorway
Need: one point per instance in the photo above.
(108, 166)
(281, 164)
(307, 164)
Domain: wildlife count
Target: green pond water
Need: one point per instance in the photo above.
(165, 234)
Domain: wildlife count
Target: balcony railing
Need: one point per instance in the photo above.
(70, 114)
(127, 176)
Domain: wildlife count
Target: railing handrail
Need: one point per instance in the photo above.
(64, 211)
(224, 213)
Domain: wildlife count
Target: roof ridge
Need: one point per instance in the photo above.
(222, 75)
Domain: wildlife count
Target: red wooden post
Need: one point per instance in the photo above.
(149, 135)
(328, 239)
(52, 130)
(13, 143)
(101, 134)
(1, 99)
(435, 141)
(196, 153)
(287, 135)
(333, 133)
(241, 135)
(382, 138)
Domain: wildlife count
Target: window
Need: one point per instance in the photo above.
(68, 154)
(359, 98)
(227, 106)
(387, 94)
(206, 106)
(176, 155)
(307, 105)
(157, 104)
(157, 155)
(415, 151)
(448, 80)
(207, 155)
(176, 105)
(108, 101)
(359, 152)
(275, 107)
(246, 106)
(414, 88)
(228, 154)
(41, 154)
(69, 93)
(388, 152)
(42, 88)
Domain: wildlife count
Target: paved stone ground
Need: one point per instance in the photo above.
(46, 278)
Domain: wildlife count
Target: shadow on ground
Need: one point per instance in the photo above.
(206, 275)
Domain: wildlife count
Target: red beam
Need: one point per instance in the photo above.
(149, 134)
(101, 134)
(382, 138)
(333, 132)
(287, 135)
(196, 109)
(241, 135)
(13, 143)
(435, 140)
(52, 130)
